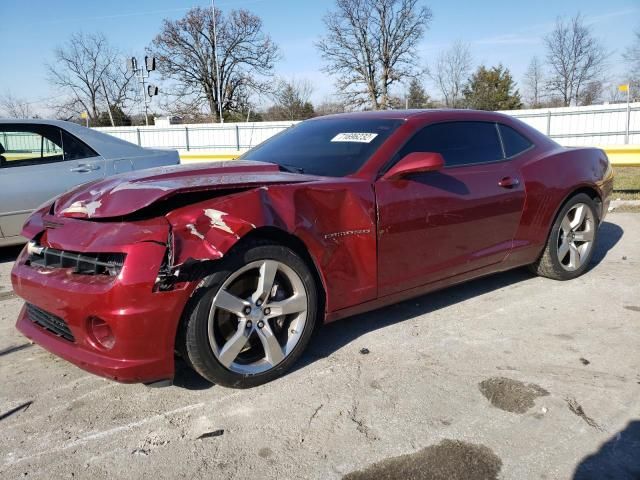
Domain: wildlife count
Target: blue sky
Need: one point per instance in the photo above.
(497, 31)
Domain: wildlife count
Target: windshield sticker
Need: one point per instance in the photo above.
(359, 137)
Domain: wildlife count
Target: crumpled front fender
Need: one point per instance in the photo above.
(205, 234)
(335, 222)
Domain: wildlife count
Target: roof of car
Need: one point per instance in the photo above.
(419, 113)
(37, 121)
(106, 145)
(447, 115)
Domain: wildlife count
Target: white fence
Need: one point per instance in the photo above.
(571, 126)
(27, 142)
(206, 136)
(594, 125)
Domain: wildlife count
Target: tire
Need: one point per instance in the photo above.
(572, 240)
(236, 304)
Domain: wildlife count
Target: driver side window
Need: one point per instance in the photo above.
(459, 143)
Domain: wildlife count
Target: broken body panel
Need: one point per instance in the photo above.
(341, 241)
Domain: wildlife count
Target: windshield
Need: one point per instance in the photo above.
(332, 147)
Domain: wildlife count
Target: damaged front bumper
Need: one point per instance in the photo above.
(116, 324)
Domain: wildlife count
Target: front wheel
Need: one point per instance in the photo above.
(571, 242)
(251, 320)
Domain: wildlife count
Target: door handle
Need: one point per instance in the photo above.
(509, 182)
(84, 168)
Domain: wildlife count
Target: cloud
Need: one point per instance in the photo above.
(508, 39)
(608, 16)
(533, 34)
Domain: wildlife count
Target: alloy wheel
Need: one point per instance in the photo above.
(576, 236)
(257, 317)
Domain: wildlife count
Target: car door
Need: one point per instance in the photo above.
(38, 162)
(438, 224)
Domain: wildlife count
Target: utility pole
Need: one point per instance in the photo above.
(144, 99)
(143, 73)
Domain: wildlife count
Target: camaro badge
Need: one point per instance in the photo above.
(329, 236)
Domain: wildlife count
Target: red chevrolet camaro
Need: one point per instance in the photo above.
(233, 264)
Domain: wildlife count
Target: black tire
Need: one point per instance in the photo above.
(193, 339)
(549, 265)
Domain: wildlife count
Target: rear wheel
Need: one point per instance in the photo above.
(571, 242)
(252, 319)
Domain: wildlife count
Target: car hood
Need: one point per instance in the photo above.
(127, 193)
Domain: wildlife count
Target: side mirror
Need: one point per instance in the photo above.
(415, 162)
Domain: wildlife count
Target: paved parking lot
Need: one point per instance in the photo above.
(522, 377)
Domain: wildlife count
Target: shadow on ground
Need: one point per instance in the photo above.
(334, 336)
(188, 378)
(609, 234)
(9, 254)
(618, 458)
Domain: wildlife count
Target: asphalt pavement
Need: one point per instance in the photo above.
(511, 376)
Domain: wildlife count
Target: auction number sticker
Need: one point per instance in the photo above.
(359, 137)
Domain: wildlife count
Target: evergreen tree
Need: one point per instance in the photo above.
(120, 118)
(492, 89)
(417, 97)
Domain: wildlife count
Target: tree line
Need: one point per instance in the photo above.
(212, 62)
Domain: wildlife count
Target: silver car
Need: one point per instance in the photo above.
(40, 159)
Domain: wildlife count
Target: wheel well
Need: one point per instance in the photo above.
(271, 234)
(286, 239)
(591, 192)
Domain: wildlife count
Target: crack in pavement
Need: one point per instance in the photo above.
(22, 407)
(577, 409)
(15, 348)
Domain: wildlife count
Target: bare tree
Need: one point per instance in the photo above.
(328, 106)
(188, 50)
(534, 83)
(632, 59)
(292, 100)
(14, 107)
(78, 71)
(451, 71)
(591, 93)
(370, 45)
(575, 58)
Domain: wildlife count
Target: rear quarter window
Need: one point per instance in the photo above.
(75, 149)
(514, 143)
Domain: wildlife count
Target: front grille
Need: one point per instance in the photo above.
(83, 263)
(50, 322)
